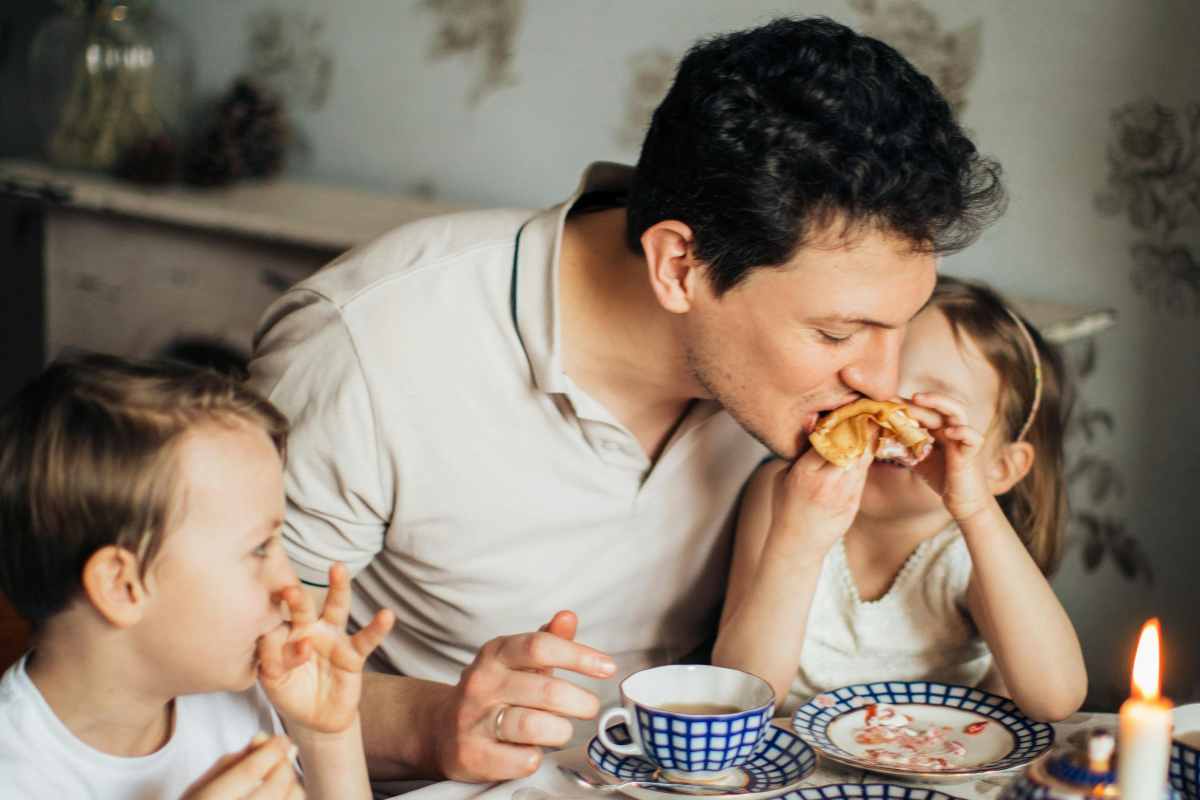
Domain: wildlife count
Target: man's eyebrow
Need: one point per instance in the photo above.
(870, 323)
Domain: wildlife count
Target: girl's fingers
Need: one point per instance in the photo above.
(337, 599)
(371, 636)
(300, 605)
(965, 435)
(926, 417)
(810, 462)
(954, 411)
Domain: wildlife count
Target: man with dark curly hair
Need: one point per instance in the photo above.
(500, 414)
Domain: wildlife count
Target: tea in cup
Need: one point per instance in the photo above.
(693, 721)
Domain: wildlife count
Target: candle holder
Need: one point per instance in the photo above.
(1072, 773)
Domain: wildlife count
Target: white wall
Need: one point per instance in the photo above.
(1049, 76)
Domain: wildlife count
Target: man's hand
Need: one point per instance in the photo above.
(309, 668)
(261, 771)
(508, 704)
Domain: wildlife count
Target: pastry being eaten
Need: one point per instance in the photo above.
(845, 433)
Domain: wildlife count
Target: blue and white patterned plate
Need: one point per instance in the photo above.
(968, 731)
(866, 791)
(781, 762)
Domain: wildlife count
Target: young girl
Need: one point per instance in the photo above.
(879, 572)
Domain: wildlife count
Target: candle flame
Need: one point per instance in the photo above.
(1145, 662)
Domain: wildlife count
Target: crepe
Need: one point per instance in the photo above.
(845, 433)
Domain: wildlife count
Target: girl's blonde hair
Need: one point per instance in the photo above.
(1037, 505)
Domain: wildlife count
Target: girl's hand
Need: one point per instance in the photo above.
(813, 501)
(956, 469)
(309, 668)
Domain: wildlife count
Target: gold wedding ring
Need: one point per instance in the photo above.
(498, 721)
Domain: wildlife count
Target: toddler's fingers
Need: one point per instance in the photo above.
(300, 605)
(251, 770)
(370, 637)
(278, 782)
(954, 411)
(295, 654)
(926, 417)
(337, 599)
(965, 435)
(811, 462)
(270, 653)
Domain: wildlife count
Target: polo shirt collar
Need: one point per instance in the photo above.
(535, 281)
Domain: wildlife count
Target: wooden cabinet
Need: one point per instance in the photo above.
(99, 264)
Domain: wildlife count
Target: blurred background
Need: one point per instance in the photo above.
(167, 168)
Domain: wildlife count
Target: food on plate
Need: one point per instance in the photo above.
(897, 740)
(844, 434)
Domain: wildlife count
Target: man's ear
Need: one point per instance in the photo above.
(674, 271)
(1011, 464)
(113, 585)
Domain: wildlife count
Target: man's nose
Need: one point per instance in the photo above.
(876, 373)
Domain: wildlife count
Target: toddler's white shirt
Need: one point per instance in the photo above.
(40, 757)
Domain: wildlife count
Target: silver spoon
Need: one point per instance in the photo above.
(689, 788)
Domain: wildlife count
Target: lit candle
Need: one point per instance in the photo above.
(1145, 731)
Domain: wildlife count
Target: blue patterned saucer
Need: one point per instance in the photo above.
(781, 761)
(969, 731)
(866, 791)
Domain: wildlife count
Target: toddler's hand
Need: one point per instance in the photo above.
(813, 501)
(261, 771)
(309, 668)
(955, 470)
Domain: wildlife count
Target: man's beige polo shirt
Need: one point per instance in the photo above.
(441, 452)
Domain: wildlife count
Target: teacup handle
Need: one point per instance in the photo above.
(631, 749)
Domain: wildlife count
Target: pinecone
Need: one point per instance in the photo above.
(246, 138)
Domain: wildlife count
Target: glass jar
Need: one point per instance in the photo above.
(107, 75)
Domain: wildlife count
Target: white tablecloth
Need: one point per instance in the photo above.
(549, 783)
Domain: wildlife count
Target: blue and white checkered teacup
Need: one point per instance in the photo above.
(1183, 771)
(672, 716)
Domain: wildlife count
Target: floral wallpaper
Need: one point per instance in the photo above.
(1154, 180)
(651, 73)
(950, 59)
(285, 51)
(486, 28)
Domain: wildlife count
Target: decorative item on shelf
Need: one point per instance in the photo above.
(152, 161)
(246, 136)
(107, 76)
